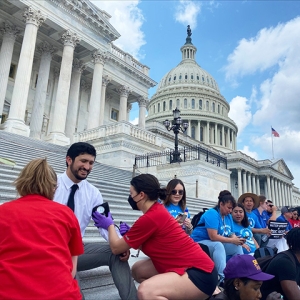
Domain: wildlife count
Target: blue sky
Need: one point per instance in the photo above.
(251, 48)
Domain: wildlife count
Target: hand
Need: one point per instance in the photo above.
(124, 227)
(237, 240)
(274, 296)
(246, 247)
(101, 221)
(274, 208)
(266, 231)
(188, 224)
(124, 256)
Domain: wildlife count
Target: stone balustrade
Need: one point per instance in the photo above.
(241, 155)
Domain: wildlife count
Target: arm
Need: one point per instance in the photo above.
(290, 288)
(117, 245)
(74, 262)
(273, 216)
(261, 230)
(255, 242)
(214, 236)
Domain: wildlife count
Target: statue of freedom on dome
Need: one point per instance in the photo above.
(189, 31)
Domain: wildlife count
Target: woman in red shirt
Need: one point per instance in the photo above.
(294, 219)
(177, 267)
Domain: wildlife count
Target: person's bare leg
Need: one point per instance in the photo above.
(169, 286)
(142, 270)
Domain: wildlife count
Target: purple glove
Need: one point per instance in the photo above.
(101, 221)
(124, 228)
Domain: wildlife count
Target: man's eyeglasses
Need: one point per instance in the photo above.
(174, 192)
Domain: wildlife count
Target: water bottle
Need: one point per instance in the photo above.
(186, 212)
(264, 237)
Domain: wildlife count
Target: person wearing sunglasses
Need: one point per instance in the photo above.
(175, 203)
(294, 219)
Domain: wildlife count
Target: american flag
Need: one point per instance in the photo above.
(274, 132)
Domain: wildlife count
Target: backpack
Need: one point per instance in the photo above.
(265, 260)
(265, 251)
(196, 218)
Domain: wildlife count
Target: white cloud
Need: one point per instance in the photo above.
(127, 19)
(135, 121)
(187, 12)
(249, 153)
(240, 112)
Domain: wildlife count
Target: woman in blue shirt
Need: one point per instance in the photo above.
(214, 229)
(241, 228)
(175, 203)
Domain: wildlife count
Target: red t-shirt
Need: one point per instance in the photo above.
(37, 239)
(166, 243)
(294, 223)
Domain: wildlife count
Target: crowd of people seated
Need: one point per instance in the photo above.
(177, 267)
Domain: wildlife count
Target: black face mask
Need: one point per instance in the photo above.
(132, 203)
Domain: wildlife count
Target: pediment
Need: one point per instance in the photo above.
(282, 168)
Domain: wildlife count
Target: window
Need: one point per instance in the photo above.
(213, 107)
(180, 77)
(178, 103)
(193, 132)
(169, 79)
(185, 76)
(36, 80)
(192, 76)
(164, 106)
(201, 134)
(197, 77)
(203, 78)
(218, 108)
(207, 105)
(158, 107)
(12, 71)
(170, 105)
(200, 104)
(222, 111)
(114, 114)
(221, 142)
(193, 103)
(154, 109)
(185, 103)
(175, 77)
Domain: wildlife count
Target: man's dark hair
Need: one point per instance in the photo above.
(293, 239)
(79, 148)
(262, 198)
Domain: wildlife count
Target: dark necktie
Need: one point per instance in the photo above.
(74, 188)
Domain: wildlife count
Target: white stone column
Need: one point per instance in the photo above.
(129, 108)
(286, 191)
(269, 187)
(228, 138)
(272, 188)
(249, 183)
(253, 184)
(85, 88)
(142, 111)
(276, 197)
(36, 121)
(291, 196)
(240, 190)
(281, 194)
(57, 134)
(216, 134)
(56, 77)
(223, 136)
(244, 182)
(232, 142)
(266, 189)
(124, 93)
(105, 82)
(207, 132)
(257, 185)
(189, 130)
(73, 103)
(198, 130)
(99, 59)
(10, 33)
(15, 122)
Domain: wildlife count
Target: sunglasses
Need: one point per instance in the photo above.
(295, 214)
(174, 192)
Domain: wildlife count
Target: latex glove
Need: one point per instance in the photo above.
(124, 228)
(102, 221)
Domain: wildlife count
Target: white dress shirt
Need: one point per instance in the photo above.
(85, 199)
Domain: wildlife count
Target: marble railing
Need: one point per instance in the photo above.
(241, 155)
(129, 59)
(122, 127)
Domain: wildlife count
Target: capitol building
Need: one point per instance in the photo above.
(63, 80)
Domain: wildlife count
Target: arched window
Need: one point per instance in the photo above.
(192, 76)
(180, 77)
(221, 141)
(170, 105)
(222, 111)
(193, 103)
(207, 105)
(164, 106)
(213, 107)
(197, 77)
(185, 103)
(175, 77)
(158, 107)
(203, 78)
(178, 103)
(185, 76)
(201, 134)
(218, 108)
(200, 104)
(169, 78)
(193, 132)
(154, 109)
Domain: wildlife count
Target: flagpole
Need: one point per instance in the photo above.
(272, 143)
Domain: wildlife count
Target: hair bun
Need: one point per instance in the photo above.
(224, 193)
(162, 194)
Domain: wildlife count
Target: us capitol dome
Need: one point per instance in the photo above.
(196, 94)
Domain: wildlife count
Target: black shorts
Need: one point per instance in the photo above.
(205, 282)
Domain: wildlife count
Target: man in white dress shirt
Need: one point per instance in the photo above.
(80, 159)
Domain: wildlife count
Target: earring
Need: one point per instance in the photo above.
(236, 288)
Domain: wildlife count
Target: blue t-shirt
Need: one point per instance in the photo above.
(261, 219)
(253, 222)
(281, 218)
(212, 219)
(246, 233)
(174, 210)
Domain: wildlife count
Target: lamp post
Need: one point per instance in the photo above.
(176, 127)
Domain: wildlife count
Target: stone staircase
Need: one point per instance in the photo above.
(112, 182)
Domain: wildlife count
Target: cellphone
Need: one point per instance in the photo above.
(102, 209)
(181, 217)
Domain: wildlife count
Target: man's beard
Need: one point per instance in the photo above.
(76, 175)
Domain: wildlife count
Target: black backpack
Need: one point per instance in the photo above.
(196, 218)
(265, 260)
